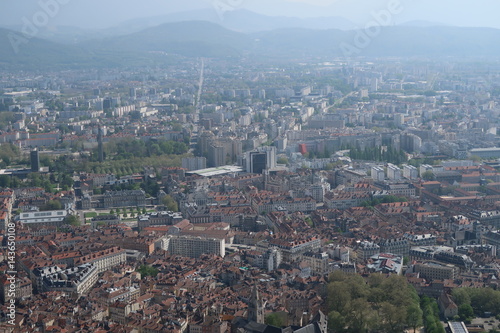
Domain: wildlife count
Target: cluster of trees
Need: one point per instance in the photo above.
(8, 154)
(52, 205)
(276, 319)
(316, 154)
(54, 104)
(47, 182)
(68, 164)
(170, 203)
(9, 181)
(389, 155)
(417, 162)
(38, 180)
(428, 175)
(480, 300)
(146, 270)
(385, 199)
(73, 220)
(131, 209)
(119, 167)
(150, 186)
(430, 310)
(379, 303)
(127, 148)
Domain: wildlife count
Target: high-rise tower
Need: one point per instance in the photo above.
(35, 160)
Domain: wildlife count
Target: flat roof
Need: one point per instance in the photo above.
(222, 170)
(457, 327)
(485, 149)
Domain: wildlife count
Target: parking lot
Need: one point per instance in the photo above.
(489, 323)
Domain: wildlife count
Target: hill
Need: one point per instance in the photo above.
(193, 39)
(34, 53)
(171, 41)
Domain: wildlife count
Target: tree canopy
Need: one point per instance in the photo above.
(480, 299)
(386, 304)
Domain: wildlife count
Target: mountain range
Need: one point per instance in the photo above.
(208, 39)
(237, 20)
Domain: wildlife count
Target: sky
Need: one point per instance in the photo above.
(97, 14)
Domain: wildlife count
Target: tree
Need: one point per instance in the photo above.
(283, 160)
(72, 220)
(475, 158)
(393, 317)
(52, 205)
(414, 316)
(428, 175)
(146, 270)
(336, 321)
(377, 303)
(465, 312)
(275, 319)
(170, 203)
(4, 181)
(360, 316)
(460, 296)
(338, 296)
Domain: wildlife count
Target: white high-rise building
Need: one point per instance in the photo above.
(410, 172)
(378, 174)
(393, 172)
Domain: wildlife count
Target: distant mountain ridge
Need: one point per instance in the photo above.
(19, 50)
(205, 39)
(194, 38)
(238, 20)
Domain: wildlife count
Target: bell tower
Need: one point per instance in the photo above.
(256, 308)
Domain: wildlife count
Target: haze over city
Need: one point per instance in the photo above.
(95, 14)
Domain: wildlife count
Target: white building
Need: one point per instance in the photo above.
(194, 247)
(378, 174)
(393, 172)
(410, 172)
(55, 217)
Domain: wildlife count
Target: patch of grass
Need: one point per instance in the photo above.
(90, 215)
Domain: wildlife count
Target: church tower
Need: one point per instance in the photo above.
(256, 308)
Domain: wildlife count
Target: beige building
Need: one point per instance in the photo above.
(432, 270)
(194, 247)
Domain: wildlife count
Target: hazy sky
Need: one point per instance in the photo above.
(106, 13)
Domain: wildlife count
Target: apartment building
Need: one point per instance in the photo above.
(105, 259)
(432, 270)
(194, 247)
